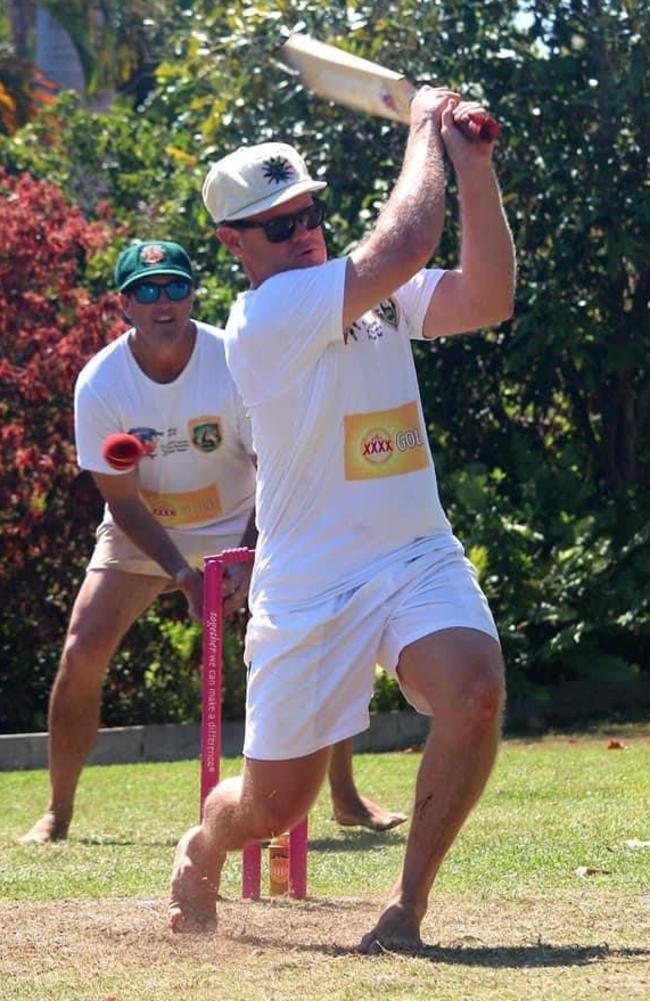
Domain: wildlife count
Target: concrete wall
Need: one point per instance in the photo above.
(178, 741)
(573, 704)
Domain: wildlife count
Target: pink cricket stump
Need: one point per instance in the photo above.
(211, 728)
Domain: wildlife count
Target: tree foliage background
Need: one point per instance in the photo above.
(539, 428)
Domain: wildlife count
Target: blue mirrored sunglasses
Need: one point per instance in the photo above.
(148, 292)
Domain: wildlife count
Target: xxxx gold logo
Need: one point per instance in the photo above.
(385, 443)
(404, 440)
(194, 507)
(376, 446)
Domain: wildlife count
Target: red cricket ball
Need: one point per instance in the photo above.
(123, 451)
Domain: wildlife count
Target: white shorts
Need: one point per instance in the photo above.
(115, 551)
(311, 671)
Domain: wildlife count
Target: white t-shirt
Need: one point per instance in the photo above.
(345, 474)
(200, 472)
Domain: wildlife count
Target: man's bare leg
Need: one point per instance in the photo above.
(268, 798)
(460, 672)
(108, 603)
(350, 808)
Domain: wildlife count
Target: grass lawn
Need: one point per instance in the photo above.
(545, 895)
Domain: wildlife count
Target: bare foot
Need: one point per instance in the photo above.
(365, 813)
(397, 930)
(193, 899)
(47, 829)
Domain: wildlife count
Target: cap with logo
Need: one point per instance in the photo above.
(256, 178)
(151, 257)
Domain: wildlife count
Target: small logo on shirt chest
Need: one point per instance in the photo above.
(370, 327)
(205, 433)
(365, 329)
(388, 312)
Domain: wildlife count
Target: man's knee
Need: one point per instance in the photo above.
(82, 664)
(277, 795)
(483, 695)
(270, 817)
(459, 674)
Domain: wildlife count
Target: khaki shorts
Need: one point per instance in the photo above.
(311, 671)
(115, 551)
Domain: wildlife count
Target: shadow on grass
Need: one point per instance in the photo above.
(311, 904)
(541, 955)
(351, 841)
(110, 841)
(359, 841)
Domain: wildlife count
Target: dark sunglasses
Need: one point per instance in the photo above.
(282, 227)
(148, 292)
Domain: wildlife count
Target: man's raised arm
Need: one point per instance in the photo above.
(480, 291)
(409, 226)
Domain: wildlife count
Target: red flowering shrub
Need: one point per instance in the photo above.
(49, 327)
(50, 324)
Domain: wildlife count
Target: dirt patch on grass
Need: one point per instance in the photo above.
(133, 933)
(576, 945)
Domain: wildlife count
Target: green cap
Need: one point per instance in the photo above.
(151, 257)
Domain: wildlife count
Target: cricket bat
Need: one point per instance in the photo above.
(362, 84)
